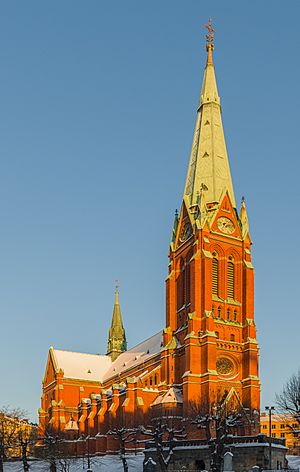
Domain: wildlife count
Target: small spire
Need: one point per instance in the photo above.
(116, 339)
(244, 218)
(209, 41)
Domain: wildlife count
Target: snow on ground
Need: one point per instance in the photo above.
(294, 462)
(98, 464)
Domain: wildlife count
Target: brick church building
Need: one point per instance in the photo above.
(208, 346)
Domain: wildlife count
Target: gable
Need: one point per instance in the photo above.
(225, 220)
(184, 228)
(49, 372)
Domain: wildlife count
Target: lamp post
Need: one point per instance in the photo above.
(270, 409)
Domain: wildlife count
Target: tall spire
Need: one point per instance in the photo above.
(116, 339)
(208, 164)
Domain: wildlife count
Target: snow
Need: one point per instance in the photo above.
(294, 462)
(101, 464)
(135, 356)
(79, 365)
(96, 367)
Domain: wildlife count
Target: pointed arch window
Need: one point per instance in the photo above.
(219, 312)
(232, 337)
(235, 315)
(228, 314)
(215, 275)
(230, 279)
(188, 284)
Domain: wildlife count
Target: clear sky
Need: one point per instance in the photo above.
(97, 109)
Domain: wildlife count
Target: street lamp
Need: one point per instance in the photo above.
(270, 409)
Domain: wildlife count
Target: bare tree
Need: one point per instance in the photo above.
(164, 438)
(13, 427)
(55, 452)
(219, 421)
(124, 436)
(288, 401)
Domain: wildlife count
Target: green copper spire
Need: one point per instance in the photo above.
(116, 339)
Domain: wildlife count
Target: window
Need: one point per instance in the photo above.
(264, 426)
(273, 426)
(228, 314)
(215, 276)
(217, 334)
(235, 315)
(273, 435)
(232, 337)
(213, 310)
(282, 425)
(282, 435)
(187, 284)
(230, 280)
(219, 312)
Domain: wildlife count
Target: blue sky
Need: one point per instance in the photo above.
(98, 103)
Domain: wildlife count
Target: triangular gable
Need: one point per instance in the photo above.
(184, 228)
(51, 368)
(225, 220)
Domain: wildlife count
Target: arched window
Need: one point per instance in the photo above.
(232, 337)
(213, 310)
(219, 312)
(228, 314)
(187, 284)
(230, 279)
(181, 285)
(217, 334)
(215, 275)
(235, 315)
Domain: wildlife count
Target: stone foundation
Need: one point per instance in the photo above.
(247, 453)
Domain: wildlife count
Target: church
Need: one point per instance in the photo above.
(208, 347)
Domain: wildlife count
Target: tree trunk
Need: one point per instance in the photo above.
(1, 464)
(125, 465)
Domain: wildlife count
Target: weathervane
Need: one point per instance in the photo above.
(210, 33)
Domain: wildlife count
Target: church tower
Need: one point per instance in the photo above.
(116, 340)
(210, 345)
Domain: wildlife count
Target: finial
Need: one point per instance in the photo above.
(209, 40)
(117, 286)
(243, 199)
(176, 213)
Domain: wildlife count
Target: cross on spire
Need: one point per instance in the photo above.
(210, 33)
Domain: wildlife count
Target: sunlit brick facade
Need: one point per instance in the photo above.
(208, 348)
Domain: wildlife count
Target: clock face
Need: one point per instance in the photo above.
(225, 225)
(185, 232)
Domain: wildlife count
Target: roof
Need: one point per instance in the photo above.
(96, 367)
(135, 356)
(173, 395)
(79, 365)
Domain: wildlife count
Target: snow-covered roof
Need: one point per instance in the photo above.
(173, 395)
(135, 356)
(79, 365)
(96, 367)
